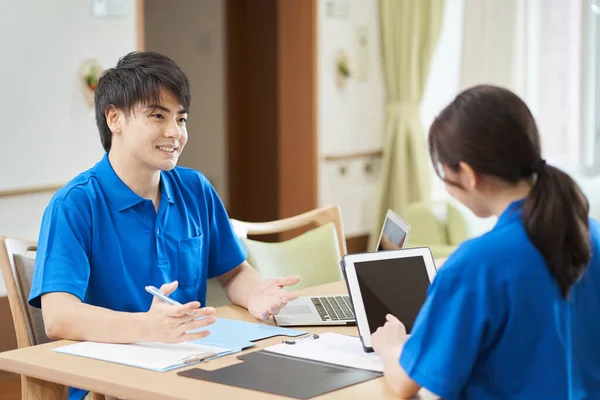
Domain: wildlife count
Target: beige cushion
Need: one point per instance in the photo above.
(457, 227)
(314, 255)
(425, 228)
(24, 268)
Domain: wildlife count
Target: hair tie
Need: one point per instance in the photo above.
(539, 165)
(536, 167)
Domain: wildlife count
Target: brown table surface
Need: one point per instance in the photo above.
(45, 372)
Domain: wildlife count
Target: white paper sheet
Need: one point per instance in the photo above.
(331, 348)
(149, 355)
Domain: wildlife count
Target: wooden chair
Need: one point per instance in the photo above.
(17, 261)
(314, 255)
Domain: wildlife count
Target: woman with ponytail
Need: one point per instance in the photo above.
(515, 313)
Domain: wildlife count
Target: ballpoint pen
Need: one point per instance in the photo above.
(157, 293)
(199, 357)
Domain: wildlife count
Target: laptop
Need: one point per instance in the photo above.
(337, 309)
(389, 282)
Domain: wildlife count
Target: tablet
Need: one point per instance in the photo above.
(389, 282)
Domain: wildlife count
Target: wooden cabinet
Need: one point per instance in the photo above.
(297, 140)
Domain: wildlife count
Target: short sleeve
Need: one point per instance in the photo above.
(448, 334)
(226, 250)
(62, 258)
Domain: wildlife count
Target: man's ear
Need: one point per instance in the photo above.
(113, 119)
(469, 177)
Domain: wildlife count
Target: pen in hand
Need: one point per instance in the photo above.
(157, 293)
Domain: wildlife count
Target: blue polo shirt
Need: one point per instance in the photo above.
(578, 320)
(488, 328)
(103, 243)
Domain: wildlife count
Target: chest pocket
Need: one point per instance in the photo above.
(190, 260)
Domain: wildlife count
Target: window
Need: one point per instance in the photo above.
(590, 118)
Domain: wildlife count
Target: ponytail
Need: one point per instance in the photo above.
(493, 131)
(555, 215)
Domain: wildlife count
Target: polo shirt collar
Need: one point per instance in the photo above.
(119, 193)
(166, 189)
(512, 213)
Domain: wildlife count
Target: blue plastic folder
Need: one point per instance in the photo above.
(239, 335)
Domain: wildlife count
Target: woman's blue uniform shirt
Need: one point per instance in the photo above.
(488, 329)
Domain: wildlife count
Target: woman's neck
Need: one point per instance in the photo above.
(500, 199)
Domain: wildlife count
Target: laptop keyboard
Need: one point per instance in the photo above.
(334, 308)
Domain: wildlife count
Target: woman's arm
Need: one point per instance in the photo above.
(395, 376)
(388, 341)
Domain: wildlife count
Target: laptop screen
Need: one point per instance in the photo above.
(396, 286)
(393, 236)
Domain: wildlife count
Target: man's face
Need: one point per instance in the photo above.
(154, 135)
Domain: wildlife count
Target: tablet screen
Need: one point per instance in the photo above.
(396, 286)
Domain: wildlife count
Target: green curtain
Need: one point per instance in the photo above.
(409, 33)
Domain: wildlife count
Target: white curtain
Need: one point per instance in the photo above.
(532, 47)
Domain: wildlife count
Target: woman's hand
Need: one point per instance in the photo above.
(388, 339)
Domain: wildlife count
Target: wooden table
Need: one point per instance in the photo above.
(45, 372)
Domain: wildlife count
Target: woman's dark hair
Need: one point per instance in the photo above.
(138, 77)
(492, 130)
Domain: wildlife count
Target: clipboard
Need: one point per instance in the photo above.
(154, 356)
(227, 337)
(284, 375)
(332, 348)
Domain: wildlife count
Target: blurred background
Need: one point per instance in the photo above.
(298, 104)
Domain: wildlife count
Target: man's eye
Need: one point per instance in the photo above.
(159, 116)
(182, 119)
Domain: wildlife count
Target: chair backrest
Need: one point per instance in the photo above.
(426, 228)
(314, 255)
(456, 226)
(17, 263)
(437, 225)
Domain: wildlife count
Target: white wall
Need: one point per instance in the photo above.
(49, 133)
(192, 32)
(350, 119)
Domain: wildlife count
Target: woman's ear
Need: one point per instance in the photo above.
(113, 119)
(468, 176)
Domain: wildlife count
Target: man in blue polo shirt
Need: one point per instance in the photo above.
(135, 219)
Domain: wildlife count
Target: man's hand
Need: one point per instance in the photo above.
(388, 339)
(170, 324)
(269, 297)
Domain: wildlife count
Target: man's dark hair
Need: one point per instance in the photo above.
(137, 77)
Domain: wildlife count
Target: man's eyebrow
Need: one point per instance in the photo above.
(154, 107)
(165, 109)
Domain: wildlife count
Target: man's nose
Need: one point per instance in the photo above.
(173, 130)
